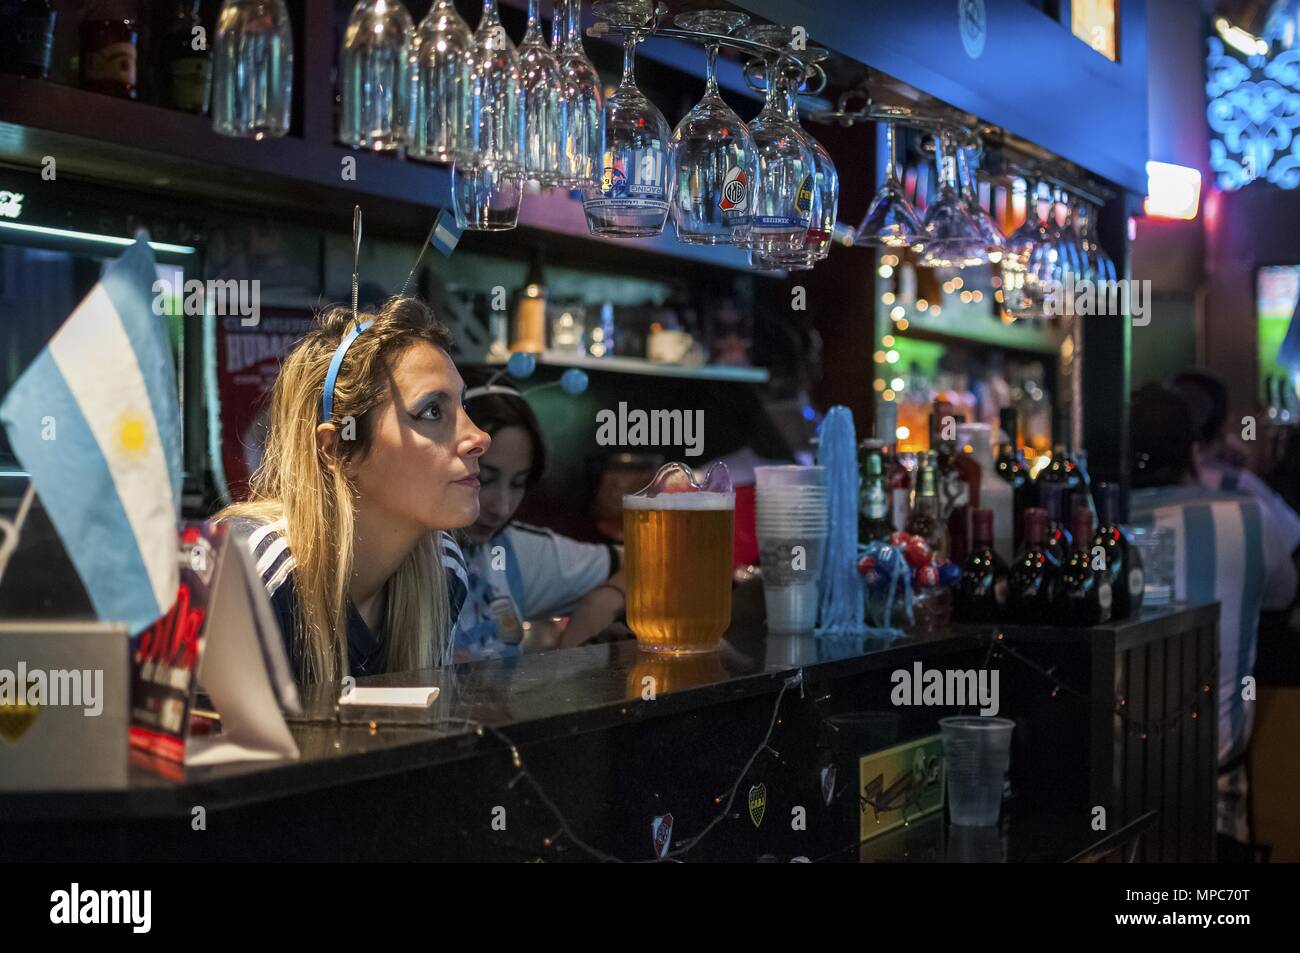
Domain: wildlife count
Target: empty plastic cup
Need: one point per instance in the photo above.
(976, 755)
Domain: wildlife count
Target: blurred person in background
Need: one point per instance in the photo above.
(1221, 460)
(1226, 550)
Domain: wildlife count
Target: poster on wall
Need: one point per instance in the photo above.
(247, 361)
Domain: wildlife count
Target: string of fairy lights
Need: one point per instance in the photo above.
(1188, 706)
(998, 647)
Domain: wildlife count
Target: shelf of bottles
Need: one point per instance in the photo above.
(989, 530)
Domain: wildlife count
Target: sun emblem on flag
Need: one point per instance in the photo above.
(131, 432)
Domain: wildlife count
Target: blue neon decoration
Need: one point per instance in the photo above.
(1254, 116)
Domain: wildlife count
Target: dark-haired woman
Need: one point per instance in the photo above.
(519, 572)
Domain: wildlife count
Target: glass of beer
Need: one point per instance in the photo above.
(677, 544)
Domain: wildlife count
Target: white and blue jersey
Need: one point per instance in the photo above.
(366, 648)
(524, 573)
(1225, 552)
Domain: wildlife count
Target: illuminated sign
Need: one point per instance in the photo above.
(1173, 191)
(1093, 21)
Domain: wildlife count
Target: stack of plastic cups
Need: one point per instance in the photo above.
(790, 519)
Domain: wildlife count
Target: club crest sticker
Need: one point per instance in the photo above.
(661, 830)
(613, 182)
(804, 199)
(735, 191)
(757, 803)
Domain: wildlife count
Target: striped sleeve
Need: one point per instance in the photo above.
(275, 563)
(457, 572)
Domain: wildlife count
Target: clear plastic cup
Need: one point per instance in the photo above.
(1155, 544)
(976, 756)
(788, 476)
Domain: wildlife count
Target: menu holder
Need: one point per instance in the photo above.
(63, 705)
(412, 706)
(222, 634)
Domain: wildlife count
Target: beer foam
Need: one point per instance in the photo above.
(695, 500)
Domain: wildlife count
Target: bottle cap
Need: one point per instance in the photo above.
(1081, 526)
(1035, 525)
(981, 525)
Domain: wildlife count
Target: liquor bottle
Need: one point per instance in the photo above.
(110, 38)
(873, 509)
(1063, 468)
(1055, 499)
(1085, 595)
(982, 592)
(529, 330)
(955, 474)
(925, 520)
(898, 484)
(1032, 578)
(26, 42)
(186, 67)
(1122, 559)
(989, 491)
(1011, 468)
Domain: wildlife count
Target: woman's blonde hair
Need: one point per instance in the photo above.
(308, 493)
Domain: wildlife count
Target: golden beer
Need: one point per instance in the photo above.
(677, 549)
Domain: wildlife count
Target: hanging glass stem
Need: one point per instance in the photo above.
(629, 60)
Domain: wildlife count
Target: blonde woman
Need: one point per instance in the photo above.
(370, 459)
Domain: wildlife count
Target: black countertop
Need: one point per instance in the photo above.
(527, 699)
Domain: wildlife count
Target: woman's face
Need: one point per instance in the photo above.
(422, 466)
(504, 470)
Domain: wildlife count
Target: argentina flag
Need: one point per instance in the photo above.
(95, 421)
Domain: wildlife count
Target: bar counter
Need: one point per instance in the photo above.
(610, 759)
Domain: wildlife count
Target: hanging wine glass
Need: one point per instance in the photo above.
(543, 100)
(442, 110)
(1098, 262)
(631, 199)
(1029, 261)
(582, 109)
(826, 181)
(952, 236)
(993, 239)
(252, 73)
(484, 197)
(496, 90)
(714, 160)
(1060, 231)
(783, 198)
(374, 76)
(891, 221)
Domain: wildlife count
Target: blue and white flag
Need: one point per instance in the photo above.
(446, 233)
(95, 421)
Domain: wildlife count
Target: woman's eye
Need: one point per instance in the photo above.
(432, 412)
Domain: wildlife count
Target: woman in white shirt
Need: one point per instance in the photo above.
(519, 572)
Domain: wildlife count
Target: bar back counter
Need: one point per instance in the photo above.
(605, 752)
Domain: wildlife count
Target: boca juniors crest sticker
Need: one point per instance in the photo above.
(757, 803)
(613, 182)
(735, 191)
(661, 829)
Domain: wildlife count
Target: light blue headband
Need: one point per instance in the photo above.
(327, 398)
